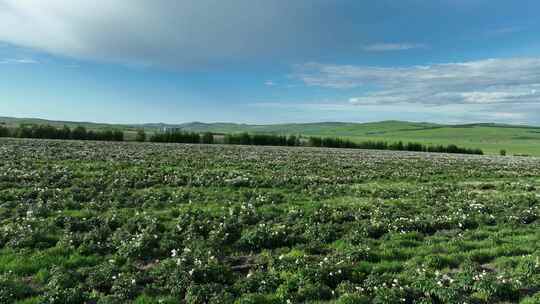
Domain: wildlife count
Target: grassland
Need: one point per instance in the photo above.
(96, 222)
(491, 138)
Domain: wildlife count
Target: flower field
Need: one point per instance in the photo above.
(105, 222)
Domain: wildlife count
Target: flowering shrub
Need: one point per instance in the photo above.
(267, 236)
(63, 287)
(101, 277)
(124, 286)
(12, 289)
(89, 222)
(259, 282)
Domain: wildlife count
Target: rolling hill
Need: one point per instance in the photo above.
(490, 137)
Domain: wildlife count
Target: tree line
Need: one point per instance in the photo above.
(261, 140)
(329, 142)
(183, 137)
(180, 136)
(4, 131)
(51, 132)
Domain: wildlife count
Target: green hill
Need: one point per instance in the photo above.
(516, 139)
(322, 128)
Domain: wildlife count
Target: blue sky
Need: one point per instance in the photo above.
(254, 61)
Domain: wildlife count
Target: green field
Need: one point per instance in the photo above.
(491, 138)
(125, 222)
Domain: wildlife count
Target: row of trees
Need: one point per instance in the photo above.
(182, 137)
(329, 142)
(453, 149)
(50, 132)
(261, 140)
(4, 131)
(179, 136)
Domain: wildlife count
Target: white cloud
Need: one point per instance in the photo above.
(491, 81)
(384, 47)
(508, 115)
(358, 100)
(166, 33)
(505, 30)
(269, 83)
(341, 110)
(18, 61)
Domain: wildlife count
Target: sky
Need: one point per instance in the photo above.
(271, 61)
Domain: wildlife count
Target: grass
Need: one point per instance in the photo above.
(491, 138)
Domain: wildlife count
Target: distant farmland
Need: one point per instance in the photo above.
(491, 138)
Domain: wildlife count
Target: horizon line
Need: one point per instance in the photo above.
(271, 124)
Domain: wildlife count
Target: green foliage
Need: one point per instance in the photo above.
(353, 299)
(257, 299)
(96, 222)
(257, 139)
(534, 299)
(63, 287)
(141, 135)
(78, 133)
(101, 277)
(125, 286)
(208, 293)
(4, 131)
(12, 289)
(207, 138)
(329, 142)
(176, 136)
